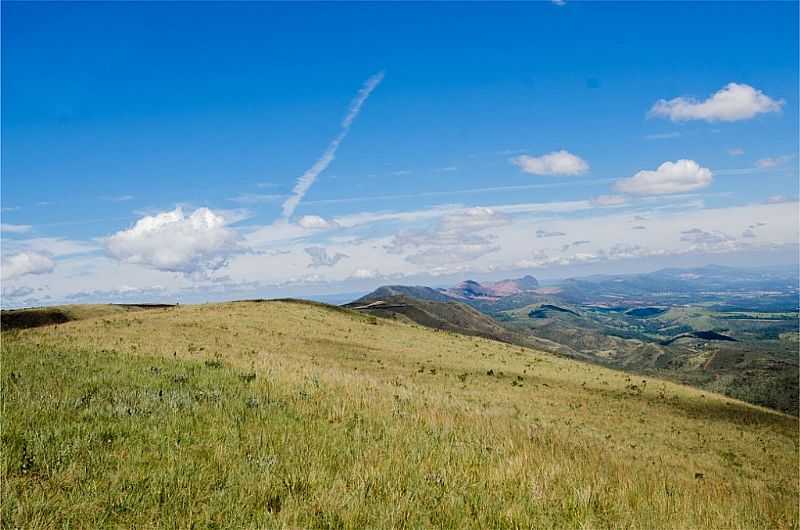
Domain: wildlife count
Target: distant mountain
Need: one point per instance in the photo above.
(472, 290)
(446, 314)
(725, 329)
(763, 289)
(388, 292)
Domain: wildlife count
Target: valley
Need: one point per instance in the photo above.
(722, 329)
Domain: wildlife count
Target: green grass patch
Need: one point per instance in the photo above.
(116, 437)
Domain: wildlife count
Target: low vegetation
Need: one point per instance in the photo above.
(749, 356)
(289, 415)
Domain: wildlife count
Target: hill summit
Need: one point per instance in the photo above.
(472, 290)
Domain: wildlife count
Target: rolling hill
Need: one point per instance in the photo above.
(283, 414)
(449, 316)
(669, 324)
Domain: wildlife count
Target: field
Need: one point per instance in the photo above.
(296, 415)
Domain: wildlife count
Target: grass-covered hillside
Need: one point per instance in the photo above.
(296, 415)
(748, 355)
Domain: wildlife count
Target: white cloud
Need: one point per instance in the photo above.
(321, 258)
(172, 241)
(314, 222)
(17, 292)
(467, 191)
(608, 200)
(710, 241)
(732, 103)
(555, 163)
(670, 177)
(736, 151)
(777, 199)
(25, 263)
(364, 274)
(50, 246)
(14, 229)
(455, 239)
(121, 292)
(306, 180)
(365, 218)
(766, 163)
(437, 241)
(574, 244)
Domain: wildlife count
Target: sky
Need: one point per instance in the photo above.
(203, 151)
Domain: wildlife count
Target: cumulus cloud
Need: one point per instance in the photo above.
(454, 239)
(670, 177)
(731, 103)
(175, 242)
(24, 263)
(555, 163)
(306, 180)
(608, 200)
(315, 222)
(706, 240)
(321, 258)
(14, 229)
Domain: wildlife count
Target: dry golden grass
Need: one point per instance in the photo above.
(355, 422)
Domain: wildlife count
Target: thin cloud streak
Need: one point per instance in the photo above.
(460, 192)
(306, 180)
(752, 170)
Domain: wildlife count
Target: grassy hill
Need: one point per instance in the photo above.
(299, 415)
(747, 355)
(450, 316)
(44, 316)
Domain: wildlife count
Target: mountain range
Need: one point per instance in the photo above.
(724, 329)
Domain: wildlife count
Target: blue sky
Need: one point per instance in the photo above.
(493, 129)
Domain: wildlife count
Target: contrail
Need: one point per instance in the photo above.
(305, 181)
